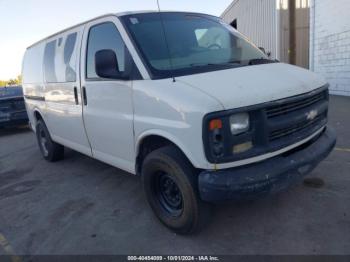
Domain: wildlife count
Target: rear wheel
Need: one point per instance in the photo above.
(50, 150)
(170, 183)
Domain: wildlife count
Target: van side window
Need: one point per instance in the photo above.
(60, 60)
(69, 48)
(104, 36)
(49, 62)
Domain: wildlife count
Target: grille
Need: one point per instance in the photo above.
(296, 109)
(299, 127)
(289, 107)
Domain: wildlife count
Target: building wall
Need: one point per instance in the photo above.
(302, 31)
(329, 32)
(266, 23)
(256, 19)
(330, 43)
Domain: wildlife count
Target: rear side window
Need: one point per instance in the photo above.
(60, 59)
(49, 62)
(104, 36)
(32, 65)
(69, 62)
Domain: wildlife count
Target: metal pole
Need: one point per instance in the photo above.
(313, 35)
(292, 32)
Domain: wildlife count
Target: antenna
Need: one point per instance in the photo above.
(166, 42)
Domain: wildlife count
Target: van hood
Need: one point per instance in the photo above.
(251, 85)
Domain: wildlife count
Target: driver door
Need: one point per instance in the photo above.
(108, 105)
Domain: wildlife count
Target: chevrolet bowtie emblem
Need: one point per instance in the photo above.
(312, 115)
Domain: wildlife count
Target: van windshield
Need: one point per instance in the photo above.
(189, 43)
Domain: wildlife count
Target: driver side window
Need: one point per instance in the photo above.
(104, 36)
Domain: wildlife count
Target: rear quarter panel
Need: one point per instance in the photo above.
(33, 87)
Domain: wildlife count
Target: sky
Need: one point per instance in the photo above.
(23, 22)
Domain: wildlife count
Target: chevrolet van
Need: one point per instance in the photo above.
(182, 100)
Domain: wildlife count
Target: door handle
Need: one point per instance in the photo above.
(76, 95)
(84, 96)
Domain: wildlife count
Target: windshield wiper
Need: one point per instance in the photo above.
(214, 64)
(202, 64)
(238, 62)
(260, 61)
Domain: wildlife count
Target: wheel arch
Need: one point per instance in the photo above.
(155, 139)
(37, 115)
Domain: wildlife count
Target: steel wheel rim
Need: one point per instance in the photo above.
(169, 194)
(43, 142)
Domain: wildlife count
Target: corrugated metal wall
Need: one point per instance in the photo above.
(256, 19)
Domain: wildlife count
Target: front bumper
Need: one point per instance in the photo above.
(266, 177)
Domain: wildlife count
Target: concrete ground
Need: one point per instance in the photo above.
(82, 206)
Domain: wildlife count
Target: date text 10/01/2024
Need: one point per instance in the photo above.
(173, 258)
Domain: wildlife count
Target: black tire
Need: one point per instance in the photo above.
(168, 168)
(50, 150)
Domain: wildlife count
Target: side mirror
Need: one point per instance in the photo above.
(264, 51)
(106, 65)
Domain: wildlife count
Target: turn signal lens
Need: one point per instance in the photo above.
(215, 124)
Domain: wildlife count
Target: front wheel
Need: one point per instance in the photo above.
(170, 183)
(50, 150)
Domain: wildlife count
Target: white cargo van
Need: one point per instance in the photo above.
(184, 101)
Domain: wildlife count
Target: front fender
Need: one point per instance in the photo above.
(173, 139)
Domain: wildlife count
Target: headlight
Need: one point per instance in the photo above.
(227, 136)
(239, 123)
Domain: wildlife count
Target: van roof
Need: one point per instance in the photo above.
(106, 15)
